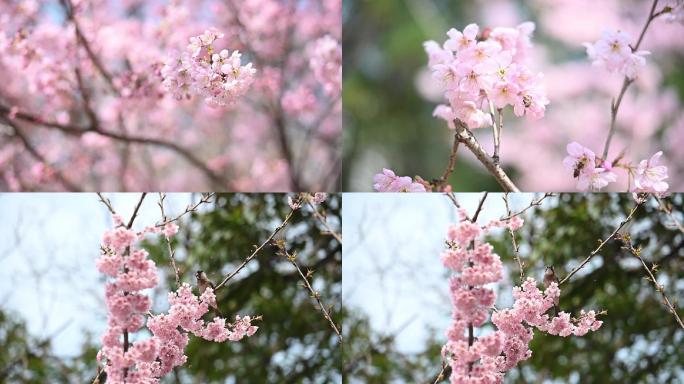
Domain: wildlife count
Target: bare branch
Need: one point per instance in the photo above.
(292, 258)
(256, 251)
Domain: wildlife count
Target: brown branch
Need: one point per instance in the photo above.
(604, 242)
(479, 207)
(659, 288)
(442, 181)
(533, 203)
(292, 258)
(33, 151)
(69, 9)
(256, 251)
(466, 137)
(324, 222)
(668, 211)
(206, 198)
(218, 180)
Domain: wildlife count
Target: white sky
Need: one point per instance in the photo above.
(48, 246)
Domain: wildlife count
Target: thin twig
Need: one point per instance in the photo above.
(206, 198)
(534, 203)
(604, 242)
(69, 9)
(658, 287)
(324, 222)
(668, 211)
(256, 251)
(172, 252)
(439, 183)
(292, 258)
(516, 248)
(615, 106)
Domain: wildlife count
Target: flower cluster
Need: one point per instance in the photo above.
(387, 181)
(218, 77)
(480, 73)
(614, 53)
(146, 360)
(326, 64)
(595, 173)
(485, 359)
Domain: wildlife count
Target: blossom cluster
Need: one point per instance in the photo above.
(145, 361)
(485, 359)
(613, 51)
(388, 181)
(595, 173)
(219, 77)
(486, 71)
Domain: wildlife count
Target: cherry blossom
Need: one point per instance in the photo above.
(147, 360)
(387, 181)
(613, 51)
(474, 73)
(650, 176)
(485, 359)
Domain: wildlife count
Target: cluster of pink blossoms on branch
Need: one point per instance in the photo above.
(595, 173)
(485, 359)
(218, 77)
(614, 53)
(145, 361)
(490, 69)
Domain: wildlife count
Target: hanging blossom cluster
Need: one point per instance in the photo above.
(485, 359)
(219, 77)
(614, 53)
(145, 361)
(478, 71)
(326, 64)
(595, 173)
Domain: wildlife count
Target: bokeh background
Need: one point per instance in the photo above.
(52, 309)
(395, 288)
(389, 95)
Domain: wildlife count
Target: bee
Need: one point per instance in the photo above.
(579, 166)
(527, 102)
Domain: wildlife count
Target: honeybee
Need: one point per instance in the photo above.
(527, 102)
(579, 166)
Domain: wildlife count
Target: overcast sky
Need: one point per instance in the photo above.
(48, 246)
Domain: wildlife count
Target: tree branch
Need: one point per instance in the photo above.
(466, 137)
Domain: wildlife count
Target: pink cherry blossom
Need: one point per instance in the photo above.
(650, 176)
(487, 358)
(387, 181)
(613, 52)
(147, 360)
